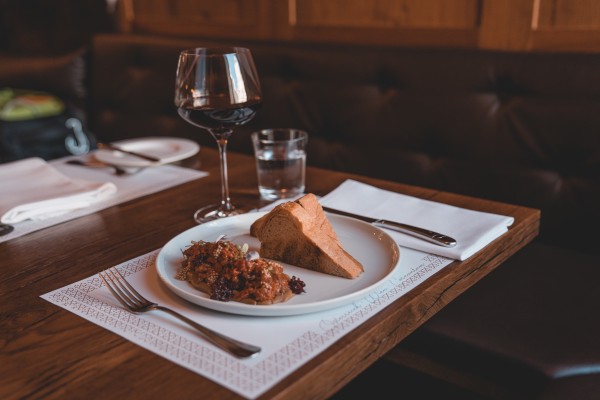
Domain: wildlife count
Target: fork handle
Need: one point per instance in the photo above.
(235, 347)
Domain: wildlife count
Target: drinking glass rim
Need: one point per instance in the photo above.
(299, 135)
(217, 51)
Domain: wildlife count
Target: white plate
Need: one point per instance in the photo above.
(375, 249)
(167, 149)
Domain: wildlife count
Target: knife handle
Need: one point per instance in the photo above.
(421, 233)
(113, 147)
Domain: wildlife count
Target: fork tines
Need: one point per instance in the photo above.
(135, 302)
(121, 289)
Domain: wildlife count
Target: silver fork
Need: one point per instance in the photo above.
(136, 303)
(119, 171)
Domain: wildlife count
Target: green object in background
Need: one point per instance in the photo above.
(23, 105)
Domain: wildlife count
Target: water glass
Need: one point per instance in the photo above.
(280, 162)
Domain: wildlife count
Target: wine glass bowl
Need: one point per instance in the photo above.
(217, 89)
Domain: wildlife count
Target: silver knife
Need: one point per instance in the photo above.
(113, 147)
(421, 233)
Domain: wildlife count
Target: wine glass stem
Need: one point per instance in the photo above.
(225, 199)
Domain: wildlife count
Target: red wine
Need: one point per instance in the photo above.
(219, 118)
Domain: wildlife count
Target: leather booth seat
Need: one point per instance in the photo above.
(529, 330)
(518, 128)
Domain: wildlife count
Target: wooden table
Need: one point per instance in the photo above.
(47, 352)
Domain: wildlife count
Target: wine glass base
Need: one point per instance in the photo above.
(213, 212)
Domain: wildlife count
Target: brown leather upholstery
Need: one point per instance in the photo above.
(531, 327)
(520, 128)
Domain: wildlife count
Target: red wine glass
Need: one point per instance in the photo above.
(217, 89)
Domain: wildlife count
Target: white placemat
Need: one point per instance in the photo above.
(294, 340)
(129, 187)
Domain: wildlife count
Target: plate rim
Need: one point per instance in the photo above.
(280, 309)
(194, 148)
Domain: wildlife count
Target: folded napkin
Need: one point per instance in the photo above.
(473, 230)
(31, 189)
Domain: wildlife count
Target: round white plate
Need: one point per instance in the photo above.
(167, 149)
(375, 249)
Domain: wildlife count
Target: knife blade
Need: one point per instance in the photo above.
(421, 233)
(113, 147)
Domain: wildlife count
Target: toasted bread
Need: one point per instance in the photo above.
(299, 233)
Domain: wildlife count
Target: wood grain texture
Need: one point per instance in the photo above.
(569, 14)
(388, 13)
(521, 25)
(506, 24)
(47, 352)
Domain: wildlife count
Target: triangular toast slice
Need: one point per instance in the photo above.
(299, 233)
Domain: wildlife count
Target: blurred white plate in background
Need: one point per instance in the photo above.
(166, 149)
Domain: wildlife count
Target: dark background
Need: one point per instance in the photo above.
(51, 27)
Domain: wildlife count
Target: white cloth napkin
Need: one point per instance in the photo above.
(473, 230)
(32, 189)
